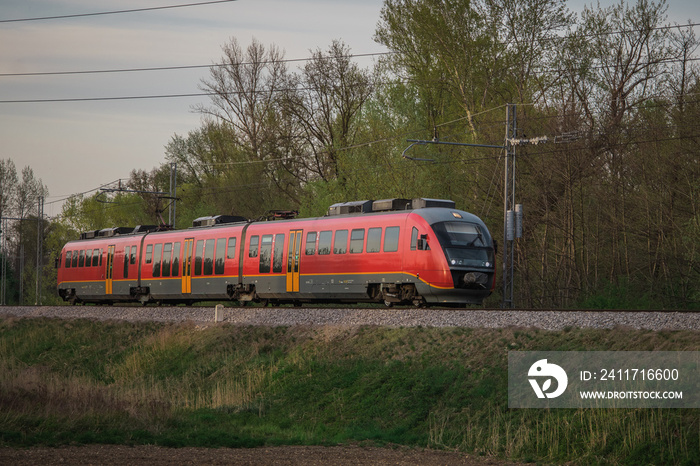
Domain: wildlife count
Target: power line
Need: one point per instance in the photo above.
(175, 67)
(291, 60)
(102, 13)
(205, 94)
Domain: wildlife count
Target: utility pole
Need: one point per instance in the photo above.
(173, 194)
(512, 212)
(508, 207)
(3, 249)
(39, 246)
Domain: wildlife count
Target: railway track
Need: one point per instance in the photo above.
(392, 317)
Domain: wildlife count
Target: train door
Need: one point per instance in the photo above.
(293, 258)
(109, 267)
(187, 266)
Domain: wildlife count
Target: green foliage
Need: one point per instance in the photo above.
(621, 295)
(79, 381)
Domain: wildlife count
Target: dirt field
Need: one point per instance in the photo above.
(275, 456)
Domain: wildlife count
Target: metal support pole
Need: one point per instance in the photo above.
(509, 205)
(173, 194)
(39, 247)
(3, 249)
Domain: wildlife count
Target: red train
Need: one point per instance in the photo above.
(420, 251)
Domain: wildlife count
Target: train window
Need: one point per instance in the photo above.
(198, 251)
(279, 250)
(414, 239)
(82, 258)
(69, 255)
(220, 256)
(88, 257)
(340, 243)
(460, 234)
(357, 241)
(324, 242)
(374, 239)
(391, 239)
(253, 247)
(149, 254)
(99, 255)
(231, 253)
(208, 257)
(127, 250)
(265, 253)
(156, 259)
(133, 254)
(75, 259)
(311, 243)
(167, 257)
(176, 260)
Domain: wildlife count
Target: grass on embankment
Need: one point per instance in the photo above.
(80, 381)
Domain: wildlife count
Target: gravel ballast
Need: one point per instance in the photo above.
(394, 317)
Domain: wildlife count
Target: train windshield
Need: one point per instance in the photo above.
(465, 244)
(460, 234)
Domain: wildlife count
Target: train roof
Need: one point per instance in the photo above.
(432, 210)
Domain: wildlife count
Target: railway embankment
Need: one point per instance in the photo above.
(244, 383)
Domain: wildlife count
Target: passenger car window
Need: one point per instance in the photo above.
(340, 243)
(167, 253)
(198, 253)
(357, 241)
(324, 242)
(374, 239)
(253, 248)
(278, 255)
(265, 254)
(176, 260)
(231, 253)
(208, 257)
(156, 259)
(127, 250)
(220, 255)
(391, 239)
(311, 243)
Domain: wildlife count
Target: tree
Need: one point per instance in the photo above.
(322, 103)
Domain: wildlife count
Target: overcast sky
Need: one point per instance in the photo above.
(78, 146)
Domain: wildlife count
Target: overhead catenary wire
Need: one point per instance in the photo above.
(176, 67)
(114, 12)
(209, 94)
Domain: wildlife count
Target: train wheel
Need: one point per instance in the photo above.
(419, 302)
(388, 303)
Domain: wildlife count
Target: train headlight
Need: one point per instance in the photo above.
(487, 264)
(454, 262)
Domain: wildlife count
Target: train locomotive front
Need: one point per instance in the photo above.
(465, 256)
